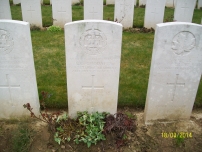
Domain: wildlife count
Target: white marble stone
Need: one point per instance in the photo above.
(93, 9)
(50, 2)
(5, 11)
(135, 2)
(124, 12)
(31, 12)
(110, 2)
(17, 73)
(169, 3)
(41, 2)
(93, 53)
(199, 4)
(15, 2)
(184, 10)
(75, 2)
(142, 2)
(154, 13)
(62, 12)
(175, 72)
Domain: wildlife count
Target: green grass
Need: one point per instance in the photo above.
(49, 56)
(21, 138)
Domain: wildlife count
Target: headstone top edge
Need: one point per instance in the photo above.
(177, 23)
(14, 21)
(93, 21)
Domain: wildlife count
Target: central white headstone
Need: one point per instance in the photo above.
(184, 10)
(93, 9)
(17, 73)
(62, 12)
(154, 13)
(5, 11)
(175, 71)
(124, 11)
(31, 12)
(93, 53)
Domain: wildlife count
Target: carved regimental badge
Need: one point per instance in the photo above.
(93, 41)
(183, 43)
(6, 42)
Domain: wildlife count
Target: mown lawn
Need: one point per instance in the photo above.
(49, 56)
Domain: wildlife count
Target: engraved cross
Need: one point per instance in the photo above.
(92, 87)
(9, 87)
(175, 85)
(31, 10)
(93, 12)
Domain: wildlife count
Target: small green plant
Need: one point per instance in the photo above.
(179, 140)
(54, 28)
(94, 126)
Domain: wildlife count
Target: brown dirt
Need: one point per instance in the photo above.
(144, 139)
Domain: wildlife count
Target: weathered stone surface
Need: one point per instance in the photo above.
(184, 10)
(62, 12)
(17, 73)
(169, 3)
(5, 11)
(75, 2)
(15, 2)
(175, 72)
(142, 2)
(93, 9)
(154, 13)
(110, 2)
(124, 12)
(31, 12)
(199, 4)
(93, 53)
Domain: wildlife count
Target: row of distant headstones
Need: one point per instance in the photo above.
(62, 13)
(93, 53)
(169, 3)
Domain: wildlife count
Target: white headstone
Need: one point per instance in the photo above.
(124, 11)
(31, 12)
(15, 2)
(184, 10)
(62, 12)
(110, 2)
(175, 72)
(50, 2)
(199, 4)
(169, 3)
(135, 2)
(154, 13)
(93, 53)
(142, 2)
(75, 2)
(93, 9)
(17, 73)
(5, 11)
(41, 2)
